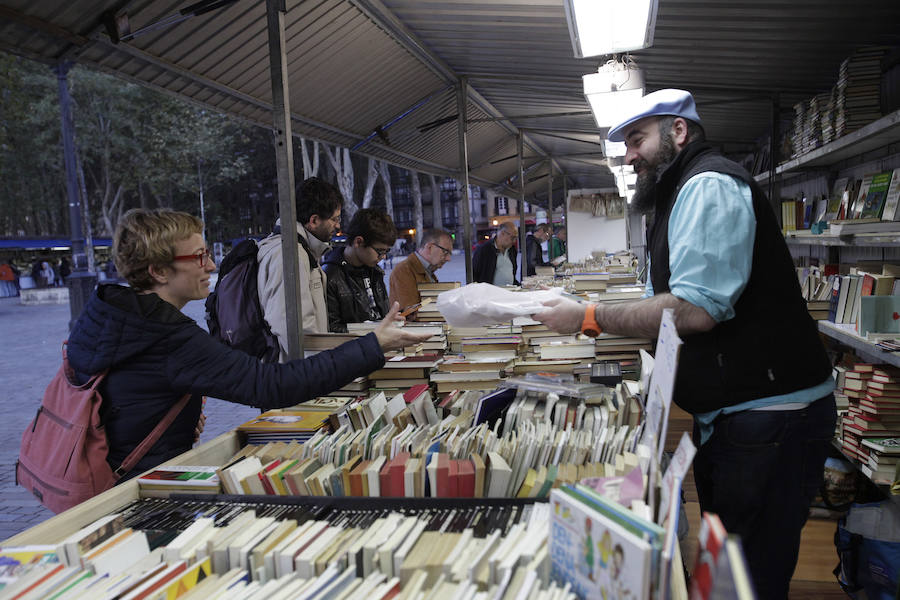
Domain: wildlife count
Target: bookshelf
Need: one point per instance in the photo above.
(846, 334)
(877, 134)
(874, 240)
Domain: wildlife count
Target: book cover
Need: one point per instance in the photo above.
(876, 195)
(283, 421)
(593, 553)
(891, 210)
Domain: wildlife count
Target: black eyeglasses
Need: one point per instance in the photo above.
(446, 252)
(202, 257)
(380, 252)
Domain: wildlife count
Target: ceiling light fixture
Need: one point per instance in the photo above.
(616, 85)
(599, 27)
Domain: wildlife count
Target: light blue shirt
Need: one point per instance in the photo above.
(711, 235)
(503, 272)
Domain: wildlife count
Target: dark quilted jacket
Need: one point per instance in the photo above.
(156, 354)
(345, 292)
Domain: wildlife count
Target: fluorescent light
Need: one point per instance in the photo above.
(613, 89)
(610, 26)
(613, 149)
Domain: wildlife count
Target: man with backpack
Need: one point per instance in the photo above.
(318, 218)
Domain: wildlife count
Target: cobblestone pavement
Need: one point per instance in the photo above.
(30, 354)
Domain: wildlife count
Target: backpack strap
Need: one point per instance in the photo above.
(138, 453)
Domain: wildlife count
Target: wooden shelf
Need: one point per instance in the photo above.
(846, 334)
(876, 134)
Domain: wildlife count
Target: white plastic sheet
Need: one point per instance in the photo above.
(479, 304)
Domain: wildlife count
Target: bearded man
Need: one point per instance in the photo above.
(752, 371)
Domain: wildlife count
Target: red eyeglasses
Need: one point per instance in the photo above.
(201, 257)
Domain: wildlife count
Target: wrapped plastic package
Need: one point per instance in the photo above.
(485, 304)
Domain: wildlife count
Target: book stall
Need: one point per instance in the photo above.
(500, 461)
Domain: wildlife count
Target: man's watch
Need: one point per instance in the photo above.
(589, 325)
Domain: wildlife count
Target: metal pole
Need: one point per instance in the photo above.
(81, 282)
(566, 213)
(550, 207)
(462, 98)
(202, 208)
(284, 162)
(773, 153)
(520, 168)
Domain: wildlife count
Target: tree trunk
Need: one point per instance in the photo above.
(418, 219)
(310, 167)
(437, 220)
(344, 171)
(86, 216)
(371, 178)
(384, 171)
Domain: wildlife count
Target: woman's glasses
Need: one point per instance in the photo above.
(201, 257)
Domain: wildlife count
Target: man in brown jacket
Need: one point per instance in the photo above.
(419, 267)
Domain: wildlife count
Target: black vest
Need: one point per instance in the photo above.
(771, 346)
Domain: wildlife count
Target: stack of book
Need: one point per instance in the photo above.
(463, 373)
(504, 347)
(874, 407)
(400, 373)
(590, 281)
(858, 98)
(429, 292)
(882, 460)
(456, 335)
(183, 479)
(284, 425)
(797, 129)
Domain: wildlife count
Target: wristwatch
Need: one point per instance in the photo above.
(589, 325)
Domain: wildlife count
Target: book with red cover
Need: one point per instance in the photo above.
(414, 392)
(416, 360)
(452, 478)
(466, 475)
(264, 477)
(442, 485)
(712, 540)
(391, 476)
(356, 475)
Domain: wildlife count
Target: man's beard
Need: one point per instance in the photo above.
(644, 199)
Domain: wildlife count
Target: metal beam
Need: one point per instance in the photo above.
(462, 102)
(534, 116)
(284, 162)
(520, 146)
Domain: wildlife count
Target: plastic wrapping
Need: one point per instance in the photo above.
(480, 304)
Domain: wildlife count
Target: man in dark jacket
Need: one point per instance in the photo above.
(534, 255)
(155, 354)
(494, 261)
(752, 370)
(355, 291)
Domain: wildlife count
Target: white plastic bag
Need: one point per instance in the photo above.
(479, 304)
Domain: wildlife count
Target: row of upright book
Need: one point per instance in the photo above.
(867, 204)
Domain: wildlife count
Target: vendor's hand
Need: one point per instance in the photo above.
(390, 337)
(201, 423)
(562, 315)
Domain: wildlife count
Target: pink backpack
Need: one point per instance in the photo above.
(62, 459)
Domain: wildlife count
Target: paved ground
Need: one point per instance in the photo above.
(30, 355)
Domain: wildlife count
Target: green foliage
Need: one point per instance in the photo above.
(135, 146)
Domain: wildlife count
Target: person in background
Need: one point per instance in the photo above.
(534, 256)
(48, 277)
(494, 261)
(155, 354)
(752, 370)
(419, 267)
(318, 218)
(36, 273)
(558, 242)
(63, 271)
(7, 280)
(355, 291)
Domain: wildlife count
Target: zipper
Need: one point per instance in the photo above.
(59, 420)
(52, 488)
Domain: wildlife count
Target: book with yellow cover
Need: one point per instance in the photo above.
(285, 421)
